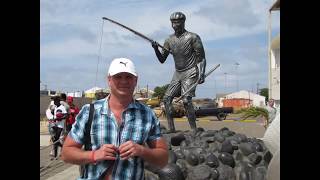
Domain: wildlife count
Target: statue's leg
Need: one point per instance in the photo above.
(190, 78)
(187, 102)
(169, 112)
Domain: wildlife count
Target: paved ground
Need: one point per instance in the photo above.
(58, 170)
(52, 168)
(249, 127)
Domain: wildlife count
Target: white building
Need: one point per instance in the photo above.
(274, 78)
(90, 93)
(257, 100)
(274, 59)
(75, 94)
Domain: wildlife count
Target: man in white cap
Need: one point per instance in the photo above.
(120, 129)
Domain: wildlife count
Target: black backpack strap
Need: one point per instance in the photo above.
(87, 137)
(87, 141)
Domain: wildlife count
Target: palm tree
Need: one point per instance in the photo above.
(255, 112)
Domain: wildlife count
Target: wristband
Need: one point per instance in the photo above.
(92, 157)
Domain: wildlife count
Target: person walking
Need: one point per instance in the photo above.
(73, 112)
(57, 126)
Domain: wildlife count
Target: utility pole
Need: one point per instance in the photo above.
(215, 85)
(257, 88)
(147, 91)
(237, 64)
(225, 82)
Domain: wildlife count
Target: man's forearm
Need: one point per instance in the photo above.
(157, 156)
(75, 155)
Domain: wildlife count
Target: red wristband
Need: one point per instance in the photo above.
(92, 157)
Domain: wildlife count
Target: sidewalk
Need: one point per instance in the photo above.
(71, 173)
(44, 139)
(44, 127)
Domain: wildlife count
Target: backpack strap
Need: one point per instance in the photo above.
(87, 137)
(83, 169)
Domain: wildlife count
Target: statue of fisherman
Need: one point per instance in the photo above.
(187, 50)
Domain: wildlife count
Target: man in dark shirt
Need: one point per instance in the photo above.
(187, 50)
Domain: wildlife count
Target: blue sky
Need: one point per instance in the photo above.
(231, 31)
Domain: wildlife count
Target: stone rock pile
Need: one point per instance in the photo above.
(212, 155)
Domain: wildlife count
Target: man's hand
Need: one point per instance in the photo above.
(201, 80)
(154, 44)
(130, 149)
(106, 152)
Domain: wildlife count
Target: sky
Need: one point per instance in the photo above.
(77, 45)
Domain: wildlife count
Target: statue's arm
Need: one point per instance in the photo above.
(161, 56)
(202, 67)
(198, 47)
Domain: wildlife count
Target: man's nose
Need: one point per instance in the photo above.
(124, 80)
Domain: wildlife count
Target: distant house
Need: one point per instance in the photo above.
(256, 99)
(219, 98)
(48, 93)
(75, 94)
(142, 93)
(240, 99)
(90, 93)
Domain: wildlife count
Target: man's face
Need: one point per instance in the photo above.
(56, 102)
(271, 102)
(122, 84)
(177, 25)
(69, 100)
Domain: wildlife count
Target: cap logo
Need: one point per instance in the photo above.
(125, 64)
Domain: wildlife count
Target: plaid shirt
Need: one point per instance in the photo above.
(139, 124)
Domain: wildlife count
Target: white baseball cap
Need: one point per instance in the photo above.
(119, 65)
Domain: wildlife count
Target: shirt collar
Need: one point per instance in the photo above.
(105, 103)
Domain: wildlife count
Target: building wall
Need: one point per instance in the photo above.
(257, 100)
(237, 103)
(75, 94)
(275, 74)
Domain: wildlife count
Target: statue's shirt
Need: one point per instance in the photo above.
(187, 50)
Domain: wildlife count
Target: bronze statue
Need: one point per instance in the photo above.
(187, 50)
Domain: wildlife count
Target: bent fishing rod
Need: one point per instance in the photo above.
(135, 32)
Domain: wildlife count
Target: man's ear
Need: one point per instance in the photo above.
(136, 80)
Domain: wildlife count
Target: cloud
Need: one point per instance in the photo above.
(231, 30)
(231, 13)
(56, 32)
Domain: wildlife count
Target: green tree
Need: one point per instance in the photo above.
(159, 91)
(264, 92)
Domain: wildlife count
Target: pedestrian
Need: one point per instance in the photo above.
(51, 123)
(56, 126)
(120, 130)
(187, 50)
(73, 112)
(272, 111)
(63, 101)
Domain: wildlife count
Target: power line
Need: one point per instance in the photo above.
(95, 82)
(225, 82)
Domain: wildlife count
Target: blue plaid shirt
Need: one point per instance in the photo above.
(139, 124)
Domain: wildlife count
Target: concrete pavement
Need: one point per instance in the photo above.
(68, 174)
